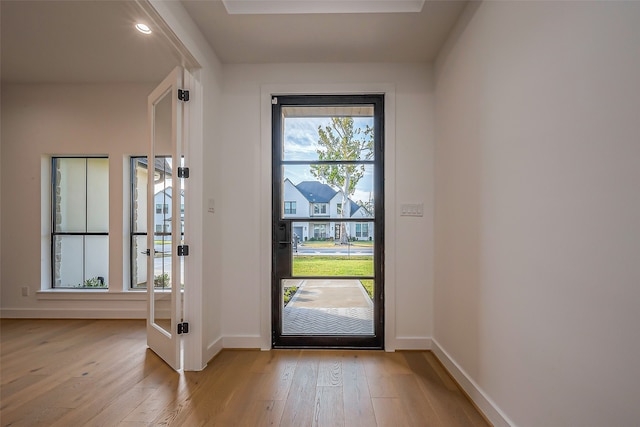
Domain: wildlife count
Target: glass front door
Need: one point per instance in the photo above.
(328, 221)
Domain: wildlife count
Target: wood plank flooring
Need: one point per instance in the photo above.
(100, 373)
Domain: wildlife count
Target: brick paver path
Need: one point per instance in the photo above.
(333, 307)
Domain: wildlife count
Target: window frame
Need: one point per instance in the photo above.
(320, 226)
(292, 208)
(54, 233)
(165, 229)
(321, 212)
(362, 229)
(132, 226)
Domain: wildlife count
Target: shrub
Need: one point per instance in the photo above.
(94, 282)
(288, 293)
(161, 281)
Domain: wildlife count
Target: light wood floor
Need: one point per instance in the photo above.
(100, 373)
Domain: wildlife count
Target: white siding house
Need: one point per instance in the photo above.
(162, 210)
(315, 200)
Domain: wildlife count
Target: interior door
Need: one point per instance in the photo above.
(165, 218)
(328, 221)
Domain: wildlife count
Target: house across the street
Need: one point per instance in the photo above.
(319, 202)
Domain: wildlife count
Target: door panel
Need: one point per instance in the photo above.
(328, 170)
(163, 287)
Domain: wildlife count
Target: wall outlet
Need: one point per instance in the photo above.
(25, 291)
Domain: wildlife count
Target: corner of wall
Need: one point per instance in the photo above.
(479, 398)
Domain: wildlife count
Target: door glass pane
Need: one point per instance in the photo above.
(162, 201)
(307, 192)
(327, 257)
(327, 307)
(309, 132)
(182, 183)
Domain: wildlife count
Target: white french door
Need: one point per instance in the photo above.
(165, 219)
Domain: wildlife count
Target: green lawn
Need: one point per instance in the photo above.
(305, 265)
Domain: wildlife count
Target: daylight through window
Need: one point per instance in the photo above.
(80, 222)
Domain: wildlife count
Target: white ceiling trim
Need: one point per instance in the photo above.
(271, 7)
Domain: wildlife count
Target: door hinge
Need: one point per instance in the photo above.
(274, 100)
(183, 328)
(183, 172)
(183, 250)
(183, 95)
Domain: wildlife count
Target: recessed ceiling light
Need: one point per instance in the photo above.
(144, 29)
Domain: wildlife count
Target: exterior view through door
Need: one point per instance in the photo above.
(328, 221)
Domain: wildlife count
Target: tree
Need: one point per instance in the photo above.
(340, 141)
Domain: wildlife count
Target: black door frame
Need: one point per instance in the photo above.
(282, 228)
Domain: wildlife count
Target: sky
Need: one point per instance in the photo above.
(300, 143)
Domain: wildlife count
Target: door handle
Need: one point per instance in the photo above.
(285, 243)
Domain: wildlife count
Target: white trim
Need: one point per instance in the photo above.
(265, 216)
(95, 295)
(484, 403)
(413, 343)
(126, 223)
(213, 349)
(194, 358)
(45, 221)
(389, 90)
(239, 341)
(71, 313)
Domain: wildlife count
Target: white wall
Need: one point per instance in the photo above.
(242, 199)
(43, 120)
(537, 210)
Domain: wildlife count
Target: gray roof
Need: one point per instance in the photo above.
(317, 192)
(354, 207)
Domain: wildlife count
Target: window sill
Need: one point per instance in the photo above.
(88, 295)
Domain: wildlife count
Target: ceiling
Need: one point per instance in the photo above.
(317, 37)
(94, 41)
(81, 42)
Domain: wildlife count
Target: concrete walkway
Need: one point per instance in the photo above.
(329, 307)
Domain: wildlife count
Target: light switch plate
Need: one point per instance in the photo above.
(411, 209)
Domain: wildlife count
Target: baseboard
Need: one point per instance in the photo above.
(473, 390)
(69, 313)
(213, 349)
(247, 341)
(410, 343)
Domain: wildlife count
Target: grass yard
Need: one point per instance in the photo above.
(306, 265)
